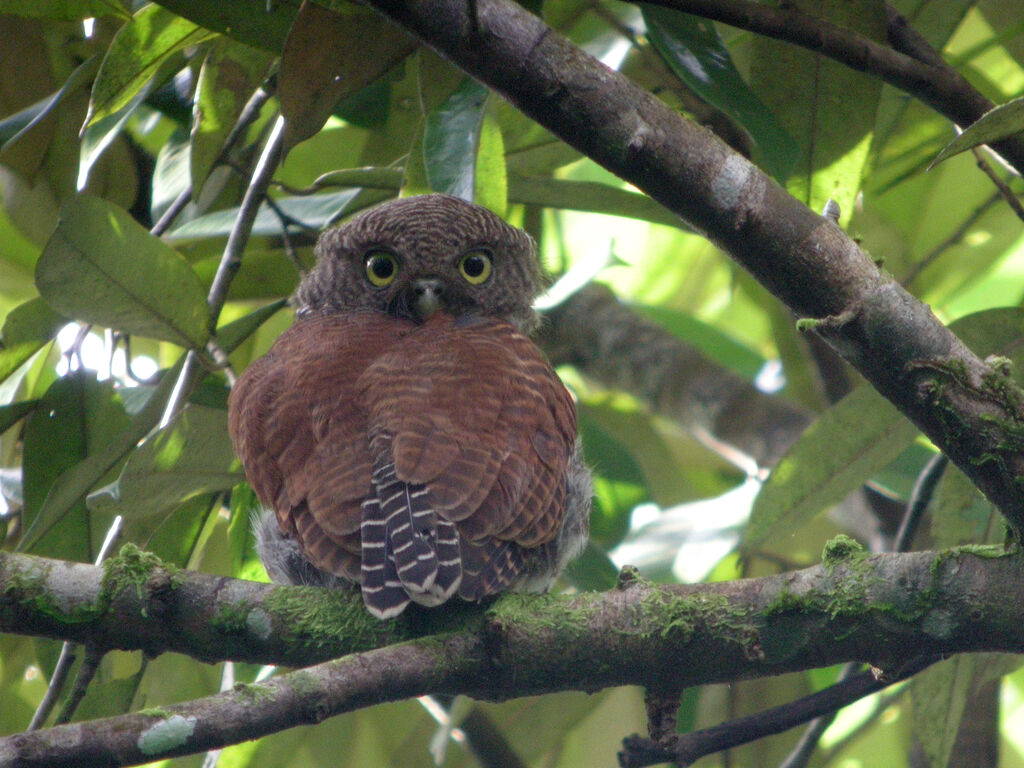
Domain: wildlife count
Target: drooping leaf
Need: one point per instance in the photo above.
(854, 438)
(15, 412)
(27, 328)
(230, 73)
(329, 55)
(76, 417)
(451, 139)
(136, 54)
(174, 537)
(101, 267)
(858, 436)
(999, 123)
(190, 456)
(712, 342)
(17, 126)
(314, 211)
(826, 106)
(694, 50)
(70, 487)
(490, 186)
(939, 695)
(231, 335)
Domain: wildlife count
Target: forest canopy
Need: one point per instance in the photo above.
(786, 289)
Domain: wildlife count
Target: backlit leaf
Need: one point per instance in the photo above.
(101, 267)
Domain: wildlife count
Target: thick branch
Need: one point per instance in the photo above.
(926, 77)
(880, 609)
(873, 609)
(972, 412)
(610, 343)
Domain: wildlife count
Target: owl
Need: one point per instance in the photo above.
(404, 434)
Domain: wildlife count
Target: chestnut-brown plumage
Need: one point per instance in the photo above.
(405, 432)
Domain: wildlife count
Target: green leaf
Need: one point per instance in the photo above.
(694, 50)
(230, 73)
(27, 328)
(75, 418)
(176, 536)
(231, 335)
(961, 515)
(136, 54)
(827, 107)
(451, 140)
(490, 186)
(1002, 122)
(314, 211)
(712, 342)
(329, 55)
(938, 696)
(69, 489)
(259, 24)
(101, 267)
(19, 125)
(589, 196)
(593, 570)
(847, 444)
(15, 412)
(190, 456)
(67, 10)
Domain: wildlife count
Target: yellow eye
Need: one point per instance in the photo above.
(381, 267)
(475, 266)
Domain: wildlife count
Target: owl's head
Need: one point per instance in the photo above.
(416, 254)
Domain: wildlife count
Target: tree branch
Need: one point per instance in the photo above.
(881, 609)
(970, 410)
(609, 343)
(923, 75)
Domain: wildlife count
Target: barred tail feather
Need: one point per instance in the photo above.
(449, 560)
(382, 590)
(408, 551)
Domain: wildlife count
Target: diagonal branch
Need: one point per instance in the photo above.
(923, 75)
(971, 411)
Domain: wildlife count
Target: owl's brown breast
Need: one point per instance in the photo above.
(372, 437)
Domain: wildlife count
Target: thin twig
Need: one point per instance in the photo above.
(1005, 192)
(920, 498)
(246, 117)
(172, 212)
(955, 238)
(57, 680)
(230, 262)
(284, 220)
(86, 673)
(67, 652)
(808, 743)
(692, 746)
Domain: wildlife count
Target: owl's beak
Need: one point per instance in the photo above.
(425, 295)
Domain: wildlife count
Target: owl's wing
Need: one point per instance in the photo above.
(301, 436)
(471, 412)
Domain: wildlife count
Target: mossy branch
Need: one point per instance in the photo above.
(880, 609)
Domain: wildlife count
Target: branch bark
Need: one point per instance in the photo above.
(881, 609)
(967, 408)
(609, 343)
(910, 65)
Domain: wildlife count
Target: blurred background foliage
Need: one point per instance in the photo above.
(129, 134)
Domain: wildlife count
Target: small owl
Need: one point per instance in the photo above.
(405, 433)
